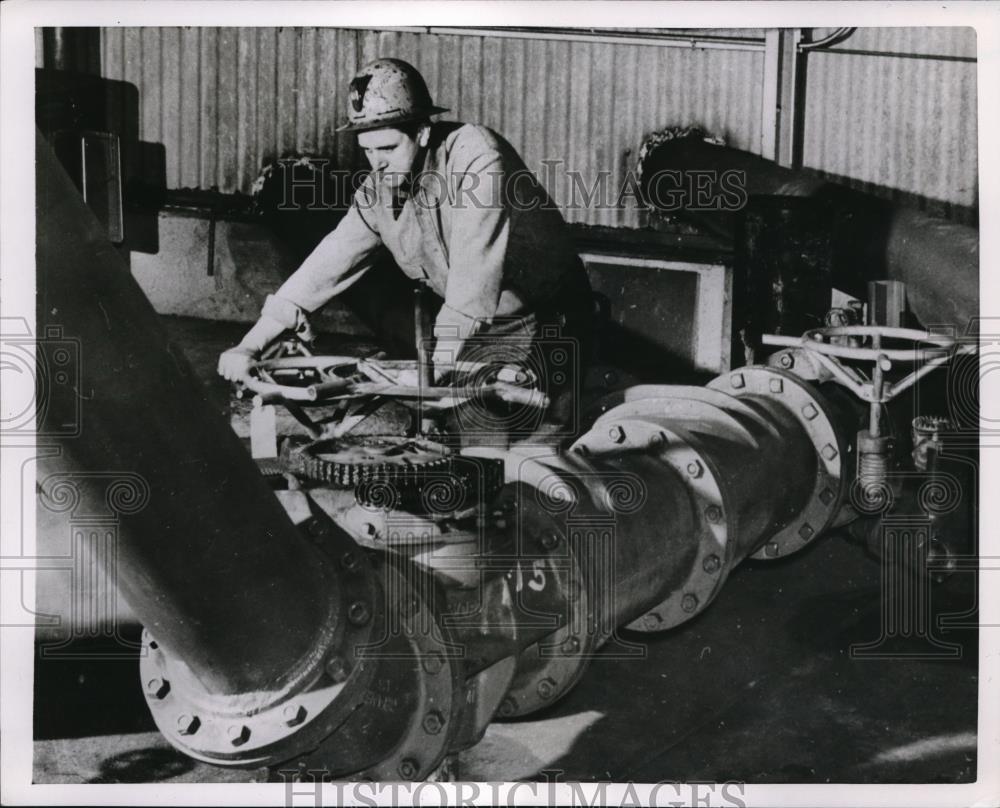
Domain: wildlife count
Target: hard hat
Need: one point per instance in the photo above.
(387, 92)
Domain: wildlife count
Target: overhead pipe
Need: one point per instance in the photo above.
(872, 239)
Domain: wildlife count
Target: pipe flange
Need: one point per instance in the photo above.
(547, 670)
(682, 451)
(808, 408)
(410, 712)
(263, 728)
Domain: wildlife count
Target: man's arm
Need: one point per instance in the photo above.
(476, 252)
(339, 261)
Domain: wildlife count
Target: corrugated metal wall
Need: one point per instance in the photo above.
(895, 108)
(224, 100)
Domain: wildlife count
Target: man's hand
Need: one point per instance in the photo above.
(234, 363)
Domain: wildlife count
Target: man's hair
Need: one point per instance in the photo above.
(410, 128)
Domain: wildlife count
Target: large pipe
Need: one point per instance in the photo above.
(872, 239)
(210, 564)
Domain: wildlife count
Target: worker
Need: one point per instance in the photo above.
(459, 211)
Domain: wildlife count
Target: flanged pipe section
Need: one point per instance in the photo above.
(750, 465)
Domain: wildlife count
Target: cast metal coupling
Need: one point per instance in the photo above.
(751, 465)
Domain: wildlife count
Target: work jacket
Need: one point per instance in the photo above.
(476, 227)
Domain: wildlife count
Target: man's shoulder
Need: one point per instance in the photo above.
(465, 142)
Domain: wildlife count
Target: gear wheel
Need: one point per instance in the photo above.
(351, 461)
(394, 472)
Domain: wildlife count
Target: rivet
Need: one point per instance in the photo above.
(188, 724)
(433, 662)
(689, 602)
(711, 564)
(547, 687)
(408, 769)
(810, 412)
(238, 734)
(359, 613)
(336, 668)
(829, 452)
(158, 688)
(806, 531)
(737, 380)
(409, 606)
(777, 385)
(713, 513)
(695, 469)
(294, 714)
(549, 539)
(617, 434)
(433, 722)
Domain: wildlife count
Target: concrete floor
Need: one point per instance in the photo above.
(765, 686)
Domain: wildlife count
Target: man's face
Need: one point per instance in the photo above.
(391, 153)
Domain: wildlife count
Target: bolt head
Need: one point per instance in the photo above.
(336, 668)
(433, 722)
(547, 687)
(571, 646)
(507, 707)
(617, 434)
(369, 530)
(689, 602)
(294, 714)
(713, 513)
(776, 385)
(238, 734)
(787, 360)
(188, 724)
(737, 380)
(408, 769)
(695, 469)
(711, 564)
(652, 621)
(433, 662)
(771, 548)
(549, 539)
(358, 613)
(157, 688)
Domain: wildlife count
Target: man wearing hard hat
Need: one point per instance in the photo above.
(459, 211)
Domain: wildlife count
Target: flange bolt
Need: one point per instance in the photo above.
(294, 714)
(408, 769)
(188, 724)
(617, 434)
(689, 602)
(157, 688)
(359, 613)
(238, 734)
(547, 687)
(433, 722)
